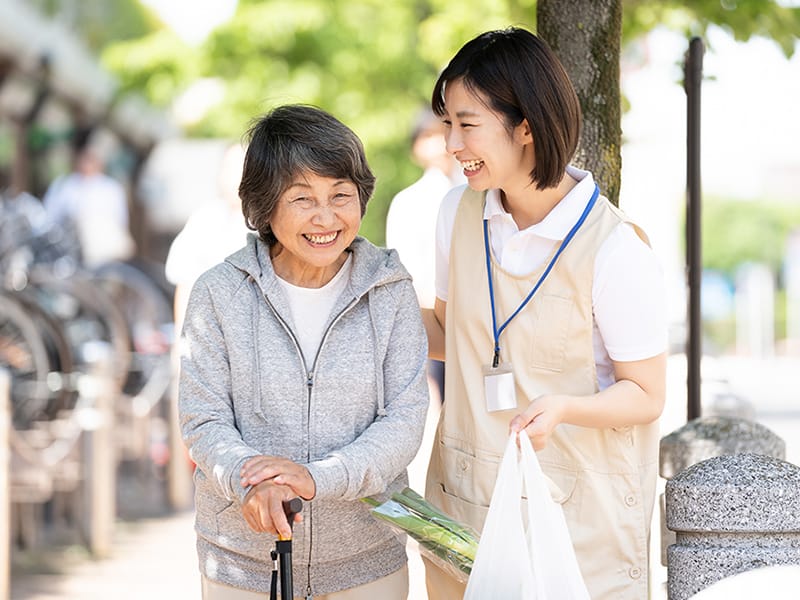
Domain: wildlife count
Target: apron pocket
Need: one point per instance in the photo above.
(468, 476)
(561, 482)
(464, 511)
(550, 333)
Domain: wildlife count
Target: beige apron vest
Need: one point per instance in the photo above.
(604, 478)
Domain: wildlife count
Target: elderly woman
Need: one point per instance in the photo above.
(302, 374)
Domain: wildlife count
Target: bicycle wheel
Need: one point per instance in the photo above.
(60, 379)
(148, 313)
(88, 316)
(37, 357)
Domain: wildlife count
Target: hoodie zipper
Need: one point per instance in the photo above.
(309, 387)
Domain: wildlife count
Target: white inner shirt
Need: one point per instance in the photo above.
(311, 308)
(628, 290)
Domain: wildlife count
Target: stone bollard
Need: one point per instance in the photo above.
(705, 438)
(5, 492)
(731, 513)
(96, 418)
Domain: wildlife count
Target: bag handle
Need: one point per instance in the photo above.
(502, 568)
(557, 574)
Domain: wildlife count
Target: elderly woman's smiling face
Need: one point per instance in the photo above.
(314, 221)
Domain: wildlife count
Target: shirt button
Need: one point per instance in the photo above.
(630, 499)
(464, 465)
(635, 572)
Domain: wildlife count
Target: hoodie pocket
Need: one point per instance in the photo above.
(212, 515)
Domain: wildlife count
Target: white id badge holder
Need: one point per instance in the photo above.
(499, 389)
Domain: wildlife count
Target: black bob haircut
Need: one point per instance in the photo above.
(516, 74)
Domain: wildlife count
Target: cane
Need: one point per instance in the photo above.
(282, 556)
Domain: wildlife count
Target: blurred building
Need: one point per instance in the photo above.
(54, 95)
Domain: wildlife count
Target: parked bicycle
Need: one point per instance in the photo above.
(58, 323)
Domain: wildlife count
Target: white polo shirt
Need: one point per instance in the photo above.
(411, 229)
(628, 291)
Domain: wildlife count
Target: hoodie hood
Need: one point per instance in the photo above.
(372, 266)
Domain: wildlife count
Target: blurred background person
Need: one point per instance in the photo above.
(411, 220)
(96, 205)
(212, 232)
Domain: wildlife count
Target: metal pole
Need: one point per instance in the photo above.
(693, 74)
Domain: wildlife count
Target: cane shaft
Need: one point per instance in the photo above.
(284, 549)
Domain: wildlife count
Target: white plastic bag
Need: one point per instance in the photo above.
(518, 564)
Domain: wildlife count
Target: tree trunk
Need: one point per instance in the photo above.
(586, 34)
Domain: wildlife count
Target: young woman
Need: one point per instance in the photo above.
(549, 314)
(302, 374)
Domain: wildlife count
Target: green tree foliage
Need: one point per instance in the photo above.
(101, 22)
(371, 63)
(743, 19)
(737, 232)
(158, 66)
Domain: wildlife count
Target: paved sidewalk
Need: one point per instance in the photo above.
(152, 559)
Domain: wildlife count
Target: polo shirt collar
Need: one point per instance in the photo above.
(560, 219)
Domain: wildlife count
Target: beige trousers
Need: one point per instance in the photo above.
(391, 587)
(440, 585)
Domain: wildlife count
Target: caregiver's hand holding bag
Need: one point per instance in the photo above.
(514, 562)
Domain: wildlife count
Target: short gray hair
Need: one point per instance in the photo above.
(290, 140)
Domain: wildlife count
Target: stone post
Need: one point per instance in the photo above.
(5, 485)
(731, 513)
(100, 462)
(707, 437)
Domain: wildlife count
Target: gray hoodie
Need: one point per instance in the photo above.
(355, 418)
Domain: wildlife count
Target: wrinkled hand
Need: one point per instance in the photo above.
(540, 419)
(281, 471)
(263, 509)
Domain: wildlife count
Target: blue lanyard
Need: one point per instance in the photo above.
(570, 235)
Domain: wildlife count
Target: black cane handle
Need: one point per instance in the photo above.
(283, 548)
(291, 508)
